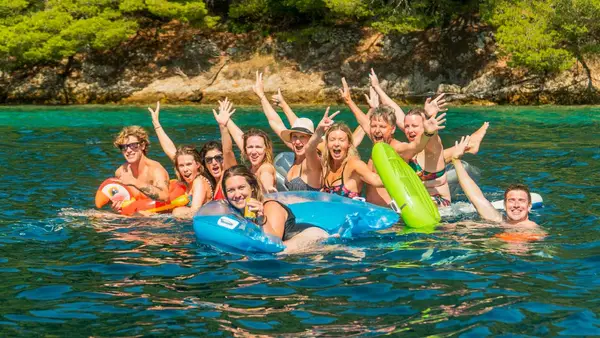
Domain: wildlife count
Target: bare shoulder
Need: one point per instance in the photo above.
(156, 167)
(355, 162)
(119, 170)
(398, 145)
(273, 207)
(266, 168)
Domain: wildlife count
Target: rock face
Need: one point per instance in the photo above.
(184, 66)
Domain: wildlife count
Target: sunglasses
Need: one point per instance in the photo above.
(218, 158)
(133, 146)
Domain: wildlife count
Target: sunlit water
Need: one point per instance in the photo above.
(68, 270)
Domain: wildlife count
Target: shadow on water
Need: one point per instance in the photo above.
(68, 268)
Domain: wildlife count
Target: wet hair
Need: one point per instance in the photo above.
(135, 131)
(190, 150)
(386, 113)
(208, 146)
(241, 170)
(268, 144)
(518, 186)
(351, 150)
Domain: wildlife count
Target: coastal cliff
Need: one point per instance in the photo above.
(180, 65)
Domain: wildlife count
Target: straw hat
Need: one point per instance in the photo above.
(302, 126)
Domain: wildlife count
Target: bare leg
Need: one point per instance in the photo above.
(473, 146)
(476, 139)
(305, 240)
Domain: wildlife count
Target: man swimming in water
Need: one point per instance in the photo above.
(149, 177)
(517, 198)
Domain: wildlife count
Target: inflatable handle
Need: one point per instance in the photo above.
(180, 201)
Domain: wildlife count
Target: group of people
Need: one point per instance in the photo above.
(325, 159)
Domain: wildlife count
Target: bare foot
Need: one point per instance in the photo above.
(476, 139)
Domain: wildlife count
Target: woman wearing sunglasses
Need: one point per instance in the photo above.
(211, 156)
(149, 177)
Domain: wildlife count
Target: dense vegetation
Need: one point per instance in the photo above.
(543, 36)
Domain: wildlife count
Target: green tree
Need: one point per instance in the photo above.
(46, 31)
(547, 36)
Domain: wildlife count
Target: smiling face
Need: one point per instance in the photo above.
(413, 127)
(214, 163)
(132, 149)
(338, 145)
(187, 167)
(238, 190)
(381, 130)
(299, 141)
(517, 205)
(255, 150)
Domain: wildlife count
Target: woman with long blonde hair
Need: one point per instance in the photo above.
(340, 160)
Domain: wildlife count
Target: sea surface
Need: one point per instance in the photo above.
(70, 270)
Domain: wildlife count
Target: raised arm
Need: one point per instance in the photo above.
(236, 133)
(385, 99)
(373, 101)
(359, 133)
(280, 101)
(485, 209)
(165, 142)
(225, 112)
(275, 121)
(312, 159)
(362, 119)
(431, 127)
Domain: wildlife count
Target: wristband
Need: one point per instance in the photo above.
(428, 134)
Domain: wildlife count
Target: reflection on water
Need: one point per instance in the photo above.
(68, 268)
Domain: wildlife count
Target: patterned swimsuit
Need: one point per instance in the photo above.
(425, 175)
(339, 189)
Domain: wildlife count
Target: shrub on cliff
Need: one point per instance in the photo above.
(547, 36)
(37, 31)
(398, 16)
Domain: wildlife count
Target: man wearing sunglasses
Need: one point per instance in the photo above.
(149, 177)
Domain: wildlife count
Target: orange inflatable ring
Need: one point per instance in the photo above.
(112, 190)
(519, 237)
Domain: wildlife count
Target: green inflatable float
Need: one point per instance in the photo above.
(409, 196)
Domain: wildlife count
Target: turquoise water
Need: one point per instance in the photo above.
(68, 271)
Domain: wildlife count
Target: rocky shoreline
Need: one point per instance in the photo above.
(181, 65)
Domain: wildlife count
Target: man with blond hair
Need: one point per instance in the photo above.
(147, 176)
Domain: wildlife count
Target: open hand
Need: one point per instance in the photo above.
(460, 147)
(372, 98)
(434, 123)
(225, 112)
(433, 107)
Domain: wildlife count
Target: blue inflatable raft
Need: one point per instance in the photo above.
(218, 224)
